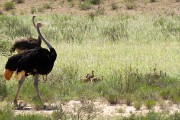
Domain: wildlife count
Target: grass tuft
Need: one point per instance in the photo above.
(9, 6)
(85, 5)
(150, 104)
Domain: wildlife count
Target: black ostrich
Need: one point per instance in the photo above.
(24, 44)
(37, 61)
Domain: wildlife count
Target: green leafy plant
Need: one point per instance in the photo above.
(58, 114)
(137, 105)
(85, 5)
(95, 2)
(40, 9)
(47, 6)
(121, 110)
(150, 104)
(9, 5)
(33, 10)
(18, 1)
(114, 6)
(130, 4)
(3, 90)
(152, 1)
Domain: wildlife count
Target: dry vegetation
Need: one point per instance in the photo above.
(80, 7)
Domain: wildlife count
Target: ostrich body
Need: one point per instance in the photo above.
(37, 61)
(24, 44)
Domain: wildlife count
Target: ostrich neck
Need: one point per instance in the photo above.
(45, 41)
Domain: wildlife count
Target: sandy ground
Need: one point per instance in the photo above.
(102, 108)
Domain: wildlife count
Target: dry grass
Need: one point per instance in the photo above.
(72, 7)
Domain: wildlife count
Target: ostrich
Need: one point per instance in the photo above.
(26, 43)
(37, 61)
(89, 76)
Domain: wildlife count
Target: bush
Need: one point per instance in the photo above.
(114, 6)
(18, 1)
(137, 105)
(47, 6)
(150, 104)
(9, 6)
(152, 1)
(58, 115)
(33, 10)
(95, 2)
(3, 91)
(40, 9)
(130, 4)
(1, 12)
(85, 6)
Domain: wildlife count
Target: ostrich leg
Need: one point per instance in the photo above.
(20, 83)
(36, 80)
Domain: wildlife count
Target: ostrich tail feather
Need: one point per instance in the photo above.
(7, 74)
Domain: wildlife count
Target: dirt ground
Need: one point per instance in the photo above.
(169, 7)
(102, 108)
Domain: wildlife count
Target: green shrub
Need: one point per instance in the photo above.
(47, 6)
(6, 111)
(137, 105)
(129, 99)
(1, 12)
(31, 117)
(150, 104)
(121, 110)
(114, 6)
(151, 1)
(18, 1)
(85, 5)
(112, 97)
(71, 4)
(166, 93)
(9, 6)
(130, 4)
(100, 11)
(175, 116)
(40, 9)
(33, 10)
(3, 90)
(58, 115)
(95, 2)
(4, 48)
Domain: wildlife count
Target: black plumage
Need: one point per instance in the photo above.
(34, 61)
(24, 44)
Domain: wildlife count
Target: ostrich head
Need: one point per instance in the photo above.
(39, 25)
(45, 41)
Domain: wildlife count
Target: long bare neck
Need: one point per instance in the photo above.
(33, 21)
(34, 24)
(45, 41)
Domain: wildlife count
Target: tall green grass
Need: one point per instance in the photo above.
(114, 47)
(80, 29)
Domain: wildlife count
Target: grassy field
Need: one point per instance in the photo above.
(129, 51)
